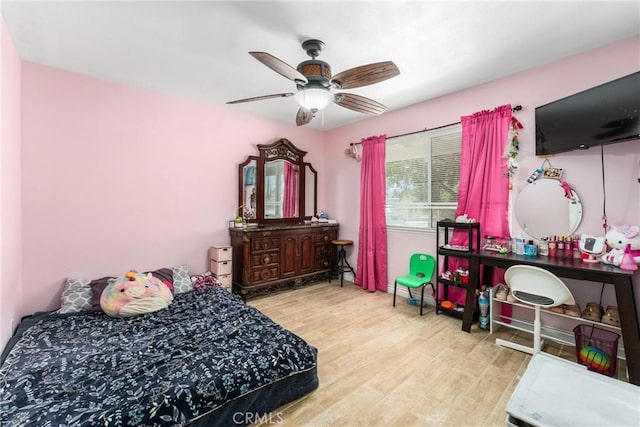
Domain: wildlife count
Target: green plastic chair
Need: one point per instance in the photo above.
(421, 267)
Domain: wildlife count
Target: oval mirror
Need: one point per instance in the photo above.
(544, 209)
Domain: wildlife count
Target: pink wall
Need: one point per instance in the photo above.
(530, 89)
(116, 177)
(10, 193)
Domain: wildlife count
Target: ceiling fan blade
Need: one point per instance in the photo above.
(304, 116)
(279, 66)
(365, 75)
(359, 103)
(260, 98)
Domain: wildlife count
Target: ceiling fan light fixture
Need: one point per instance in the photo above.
(314, 98)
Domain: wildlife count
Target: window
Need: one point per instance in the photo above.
(423, 174)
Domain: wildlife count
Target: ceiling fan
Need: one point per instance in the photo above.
(314, 82)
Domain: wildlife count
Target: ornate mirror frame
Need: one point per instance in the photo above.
(253, 184)
(310, 191)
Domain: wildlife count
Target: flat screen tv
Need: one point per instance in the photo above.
(605, 114)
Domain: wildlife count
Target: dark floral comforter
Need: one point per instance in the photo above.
(207, 357)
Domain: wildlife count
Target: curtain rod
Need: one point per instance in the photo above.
(515, 108)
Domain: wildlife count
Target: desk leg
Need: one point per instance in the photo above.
(472, 285)
(629, 326)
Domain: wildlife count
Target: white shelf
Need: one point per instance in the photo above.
(553, 313)
(560, 336)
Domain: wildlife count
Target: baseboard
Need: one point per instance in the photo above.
(403, 292)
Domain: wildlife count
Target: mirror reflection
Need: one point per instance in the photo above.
(281, 181)
(277, 186)
(543, 208)
(248, 189)
(310, 190)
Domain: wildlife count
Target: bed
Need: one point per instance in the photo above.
(208, 359)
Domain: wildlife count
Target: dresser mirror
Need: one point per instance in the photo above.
(310, 178)
(277, 186)
(544, 208)
(248, 171)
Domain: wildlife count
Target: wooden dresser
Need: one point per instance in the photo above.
(279, 257)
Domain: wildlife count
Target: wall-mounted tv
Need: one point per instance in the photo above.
(605, 114)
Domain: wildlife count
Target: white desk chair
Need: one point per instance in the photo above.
(540, 288)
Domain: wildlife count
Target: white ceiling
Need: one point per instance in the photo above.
(199, 50)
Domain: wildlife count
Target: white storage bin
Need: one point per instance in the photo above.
(220, 268)
(220, 253)
(225, 279)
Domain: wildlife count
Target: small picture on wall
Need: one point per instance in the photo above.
(555, 173)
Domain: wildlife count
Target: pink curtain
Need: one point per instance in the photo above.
(484, 183)
(290, 191)
(371, 272)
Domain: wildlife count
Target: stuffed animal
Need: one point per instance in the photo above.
(568, 191)
(133, 294)
(617, 239)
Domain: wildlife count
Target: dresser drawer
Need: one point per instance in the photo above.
(322, 263)
(265, 274)
(323, 250)
(265, 244)
(324, 236)
(265, 258)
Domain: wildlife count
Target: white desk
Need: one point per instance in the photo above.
(556, 392)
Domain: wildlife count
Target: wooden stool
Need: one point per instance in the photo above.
(342, 264)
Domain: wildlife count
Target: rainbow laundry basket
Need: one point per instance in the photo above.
(597, 349)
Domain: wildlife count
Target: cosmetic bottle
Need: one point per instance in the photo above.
(530, 249)
(519, 246)
(552, 247)
(560, 247)
(568, 247)
(543, 247)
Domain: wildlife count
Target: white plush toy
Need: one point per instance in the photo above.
(617, 239)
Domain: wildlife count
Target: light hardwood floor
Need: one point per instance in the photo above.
(381, 365)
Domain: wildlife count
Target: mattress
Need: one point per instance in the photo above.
(208, 359)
